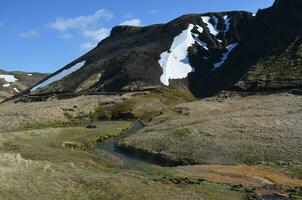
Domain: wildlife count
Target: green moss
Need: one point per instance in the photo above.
(150, 114)
(282, 70)
(143, 106)
(56, 124)
(115, 111)
(182, 132)
(173, 94)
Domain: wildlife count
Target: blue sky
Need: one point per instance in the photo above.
(44, 35)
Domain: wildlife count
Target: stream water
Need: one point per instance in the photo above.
(111, 152)
(110, 148)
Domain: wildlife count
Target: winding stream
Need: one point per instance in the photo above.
(110, 151)
(110, 147)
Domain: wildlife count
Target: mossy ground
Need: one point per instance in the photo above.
(143, 106)
(236, 130)
(35, 164)
(52, 160)
(280, 71)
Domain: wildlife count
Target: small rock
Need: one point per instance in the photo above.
(91, 126)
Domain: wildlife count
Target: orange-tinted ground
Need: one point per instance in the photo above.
(248, 176)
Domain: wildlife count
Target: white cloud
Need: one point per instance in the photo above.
(87, 45)
(97, 35)
(94, 37)
(132, 22)
(32, 33)
(81, 22)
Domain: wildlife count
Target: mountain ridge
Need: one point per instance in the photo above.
(15, 82)
(205, 53)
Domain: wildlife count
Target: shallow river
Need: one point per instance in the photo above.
(110, 147)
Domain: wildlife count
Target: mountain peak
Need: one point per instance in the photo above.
(202, 52)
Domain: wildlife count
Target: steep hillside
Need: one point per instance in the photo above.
(205, 53)
(12, 83)
(135, 57)
(269, 59)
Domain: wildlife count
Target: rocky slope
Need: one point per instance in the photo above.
(204, 53)
(140, 56)
(12, 83)
(269, 59)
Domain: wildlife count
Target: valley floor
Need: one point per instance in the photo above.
(233, 147)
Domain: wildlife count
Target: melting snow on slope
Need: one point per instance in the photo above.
(199, 29)
(201, 43)
(175, 63)
(213, 29)
(6, 85)
(60, 75)
(230, 48)
(16, 90)
(8, 78)
(227, 22)
(196, 38)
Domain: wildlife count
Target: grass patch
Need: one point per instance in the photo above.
(57, 124)
(143, 106)
(116, 111)
(181, 132)
(172, 95)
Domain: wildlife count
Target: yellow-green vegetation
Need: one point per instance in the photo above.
(38, 164)
(297, 195)
(182, 132)
(51, 143)
(280, 71)
(115, 111)
(237, 130)
(54, 159)
(34, 126)
(143, 106)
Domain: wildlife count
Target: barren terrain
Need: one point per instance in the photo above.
(46, 148)
(235, 130)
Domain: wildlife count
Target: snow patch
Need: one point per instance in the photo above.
(60, 76)
(227, 22)
(196, 38)
(29, 74)
(230, 48)
(6, 85)
(216, 20)
(8, 78)
(212, 28)
(16, 90)
(175, 63)
(199, 29)
(201, 43)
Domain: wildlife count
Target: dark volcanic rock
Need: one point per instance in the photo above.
(261, 53)
(131, 54)
(270, 58)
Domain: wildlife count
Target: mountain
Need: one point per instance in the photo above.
(270, 58)
(205, 53)
(12, 83)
